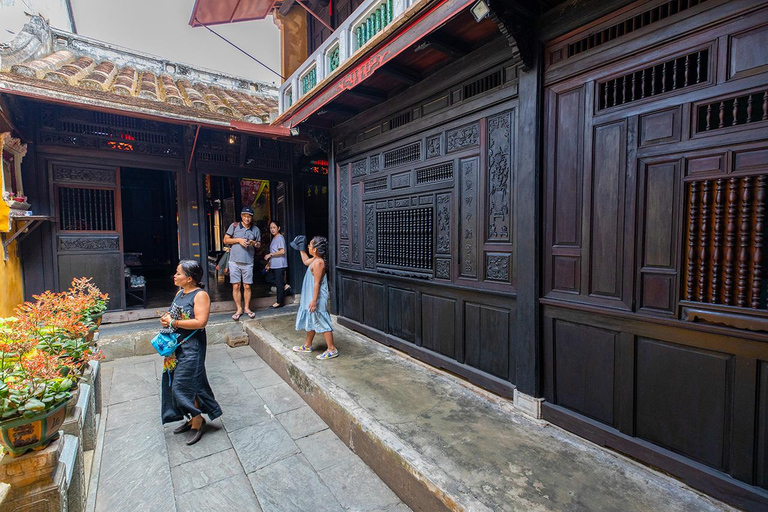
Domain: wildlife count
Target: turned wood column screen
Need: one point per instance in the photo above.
(725, 258)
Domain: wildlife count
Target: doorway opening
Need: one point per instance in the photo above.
(150, 236)
(224, 199)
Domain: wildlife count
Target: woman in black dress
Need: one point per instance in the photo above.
(186, 393)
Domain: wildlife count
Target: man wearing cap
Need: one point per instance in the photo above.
(244, 238)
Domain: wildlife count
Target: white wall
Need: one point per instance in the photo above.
(13, 17)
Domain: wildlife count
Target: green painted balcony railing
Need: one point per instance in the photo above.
(374, 24)
(289, 99)
(333, 59)
(308, 81)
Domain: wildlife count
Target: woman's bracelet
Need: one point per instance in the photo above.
(171, 324)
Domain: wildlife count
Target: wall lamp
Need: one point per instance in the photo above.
(480, 10)
(294, 131)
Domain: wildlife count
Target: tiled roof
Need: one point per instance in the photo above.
(69, 67)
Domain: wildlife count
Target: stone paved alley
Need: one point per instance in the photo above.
(268, 452)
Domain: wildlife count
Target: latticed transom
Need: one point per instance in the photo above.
(413, 251)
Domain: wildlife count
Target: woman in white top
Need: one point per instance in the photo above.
(277, 262)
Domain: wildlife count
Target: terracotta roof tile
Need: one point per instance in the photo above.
(90, 70)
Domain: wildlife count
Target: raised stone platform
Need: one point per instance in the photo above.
(442, 444)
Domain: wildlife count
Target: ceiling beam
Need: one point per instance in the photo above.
(443, 46)
(341, 110)
(367, 93)
(401, 74)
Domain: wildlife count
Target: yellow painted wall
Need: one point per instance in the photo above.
(293, 39)
(12, 291)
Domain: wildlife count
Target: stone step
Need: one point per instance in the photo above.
(442, 444)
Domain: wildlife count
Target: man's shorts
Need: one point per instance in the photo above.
(240, 272)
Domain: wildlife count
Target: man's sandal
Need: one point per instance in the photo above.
(236, 316)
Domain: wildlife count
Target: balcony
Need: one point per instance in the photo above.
(358, 32)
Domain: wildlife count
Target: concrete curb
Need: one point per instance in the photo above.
(418, 482)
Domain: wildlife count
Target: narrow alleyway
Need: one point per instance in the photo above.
(268, 452)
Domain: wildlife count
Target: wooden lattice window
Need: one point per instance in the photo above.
(671, 75)
(629, 25)
(404, 238)
(86, 209)
(440, 172)
(402, 155)
(725, 262)
(735, 111)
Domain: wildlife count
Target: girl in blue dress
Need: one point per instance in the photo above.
(313, 313)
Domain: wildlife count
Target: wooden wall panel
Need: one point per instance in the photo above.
(402, 313)
(375, 306)
(659, 215)
(682, 399)
(469, 226)
(567, 176)
(438, 324)
(584, 369)
(607, 220)
(761, 433)
(487, 339)
(352, 298)
(747, 55)
(105, 268)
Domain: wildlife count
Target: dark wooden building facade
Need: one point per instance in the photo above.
(565, 203)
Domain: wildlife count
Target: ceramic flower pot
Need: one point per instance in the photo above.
(19, 435)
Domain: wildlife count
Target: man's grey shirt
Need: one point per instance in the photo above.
(237, 252)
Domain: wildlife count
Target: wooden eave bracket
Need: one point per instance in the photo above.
(519, 28)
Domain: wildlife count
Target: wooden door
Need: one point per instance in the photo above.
(88, 230)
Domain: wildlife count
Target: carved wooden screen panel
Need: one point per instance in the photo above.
(89, 227)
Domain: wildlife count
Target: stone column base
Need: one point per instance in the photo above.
(527, 404)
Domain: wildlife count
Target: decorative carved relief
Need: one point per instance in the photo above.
(344, 200)
(401, 180)
(344, 253)
(444, 223)
(356, 223)
(69, 243)
(84, 175)
(499, 178)
(359, 168)
(370, 260)
(370, 233)
(443, 269)
(433, 146)
(497, 267)
(463, 137)
(468, 223)
(375, 164)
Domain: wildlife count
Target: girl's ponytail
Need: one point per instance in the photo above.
(320, 243)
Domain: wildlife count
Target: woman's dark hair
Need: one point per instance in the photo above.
(192, 268)
(320, 243)
(276, 223)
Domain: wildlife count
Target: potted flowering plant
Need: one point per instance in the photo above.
(34, 391)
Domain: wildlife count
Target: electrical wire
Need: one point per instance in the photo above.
(237, 47)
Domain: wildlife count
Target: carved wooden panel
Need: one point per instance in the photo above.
(402, 311)
(79, 174)
(401, 180)
(439, 336)
(443, 224)
(461, 138)
(370, 226)
(344, 201)
(500, 204)
(356, 231)
(468, 211)
(90, 243)
(607, 233)
(375, 185)
(442, 268)
(487, 338)
(498, 267)
(725, 233)
(682, 399)
(434, 144)
(359, 168)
